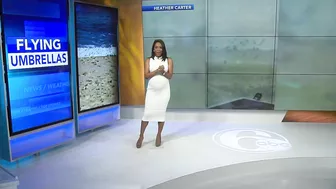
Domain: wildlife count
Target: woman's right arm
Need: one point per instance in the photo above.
(147, 73)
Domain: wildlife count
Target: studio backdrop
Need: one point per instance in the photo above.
(247, 54)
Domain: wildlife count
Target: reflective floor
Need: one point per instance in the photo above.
(293, 173)
(193, 155)
(7, 180)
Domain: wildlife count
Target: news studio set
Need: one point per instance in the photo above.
(251, 100)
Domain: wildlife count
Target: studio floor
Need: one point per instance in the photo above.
(107, 158)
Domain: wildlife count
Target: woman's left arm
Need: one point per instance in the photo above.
(169, 73)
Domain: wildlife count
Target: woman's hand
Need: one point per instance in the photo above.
(169, 73)
(160, 70)
(161, 67)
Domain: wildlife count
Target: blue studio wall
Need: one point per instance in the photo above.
(72, 49)
(39, 92)
(4, 134)
(38, 75)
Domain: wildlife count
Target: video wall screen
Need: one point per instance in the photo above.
(175, 18)
(253, 54)
(196, 54)
(37, 67)
(241, 18)
(306, 18)
(97, 56)
(240, 55)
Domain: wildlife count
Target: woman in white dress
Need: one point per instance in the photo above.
(158, 70)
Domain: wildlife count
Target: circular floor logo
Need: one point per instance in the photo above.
(252, 140)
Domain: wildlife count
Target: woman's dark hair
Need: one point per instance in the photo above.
(164, 50)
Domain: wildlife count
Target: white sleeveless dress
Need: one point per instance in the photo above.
(157, 94)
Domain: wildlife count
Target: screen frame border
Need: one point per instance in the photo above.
(76, 3)
(4, 64)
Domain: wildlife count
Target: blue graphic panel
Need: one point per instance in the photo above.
(38, 70)
(57, 9)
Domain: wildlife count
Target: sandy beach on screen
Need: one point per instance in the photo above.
(98, 77)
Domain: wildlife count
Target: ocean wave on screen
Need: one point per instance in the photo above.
(92, 51)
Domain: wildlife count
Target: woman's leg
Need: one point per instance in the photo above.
(142, 132)
(158, 136)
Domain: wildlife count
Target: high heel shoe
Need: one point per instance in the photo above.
(158, 141)
(139, 142)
